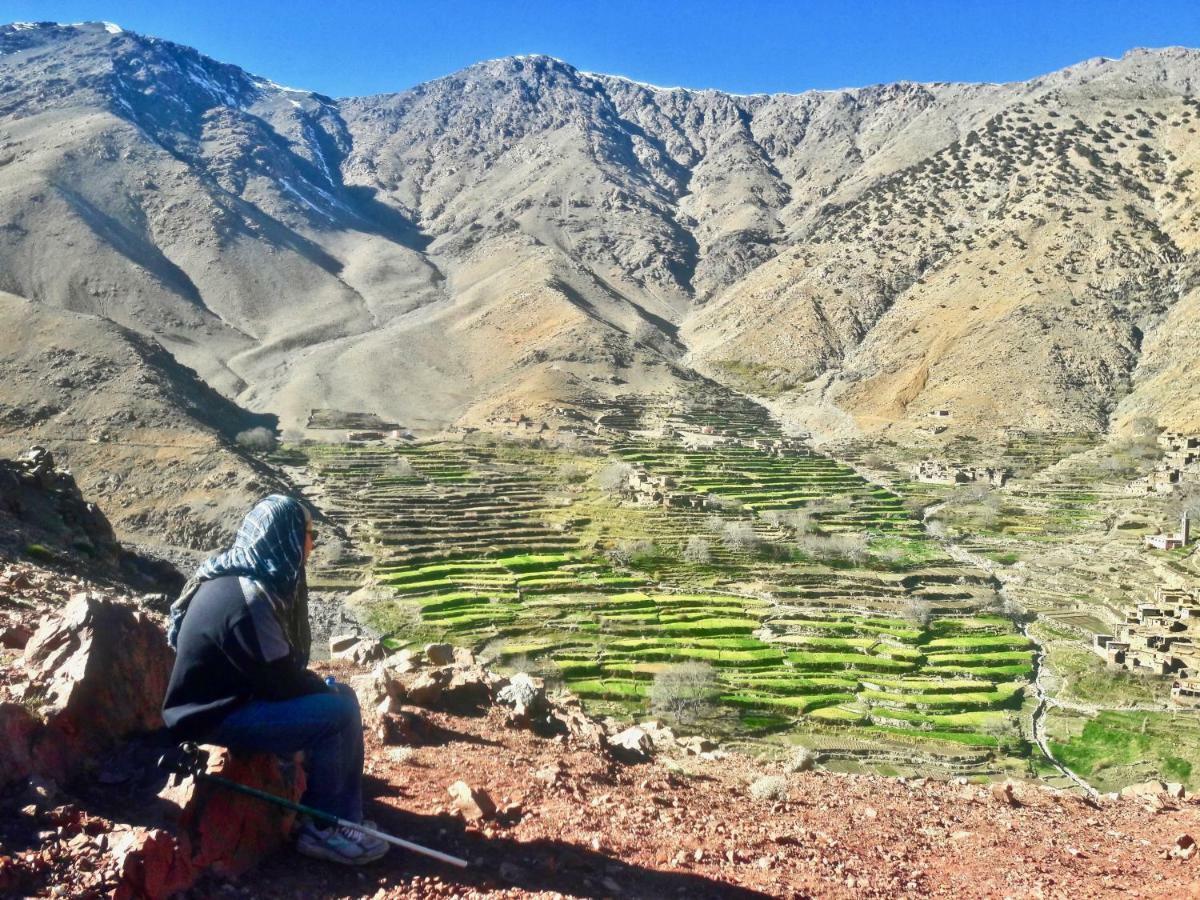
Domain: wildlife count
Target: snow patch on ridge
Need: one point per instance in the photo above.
(644, 84)
(268, 83)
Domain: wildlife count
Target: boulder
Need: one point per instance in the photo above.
(463, 657)
(580, 727)
(404, 661)
(394, 728)
(525, 698)
(1145, 789)
(340, 643)
(552, 774)
(439, 654)
(18, 727)
(15, 637)
(1185, 848)
(425, 688)
(216, 830)
(361, 652)
(473, 804)
(657, 729)
(150, 865)
(632, 745)
(697, 745)
(376, 688)
(1004, 793)
(99, 671)
(469, 689)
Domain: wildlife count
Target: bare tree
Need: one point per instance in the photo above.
(613, 478)
(632, 552)
(684, 690)
(697, 552)
(919, 612)
(798, 520)
(740, 536)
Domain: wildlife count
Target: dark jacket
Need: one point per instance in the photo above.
(232, 649)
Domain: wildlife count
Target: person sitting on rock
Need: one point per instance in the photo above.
(241, 679)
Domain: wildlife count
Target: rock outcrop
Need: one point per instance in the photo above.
(214, 828)
(42, 511)
(89, 676)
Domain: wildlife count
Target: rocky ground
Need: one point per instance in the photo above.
(552, 803)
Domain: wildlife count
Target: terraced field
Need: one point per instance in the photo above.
(846, 628)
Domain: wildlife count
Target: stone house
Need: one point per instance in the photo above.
(1186, 692)
(362, 437)
(932, 471)
(1162, 638)
(1171, 540)
(1180, 457)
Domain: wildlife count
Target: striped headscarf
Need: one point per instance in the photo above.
(269, 550)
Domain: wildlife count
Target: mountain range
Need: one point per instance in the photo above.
(521, 236)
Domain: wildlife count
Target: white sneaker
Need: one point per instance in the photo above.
(374, 846)
(339, 844)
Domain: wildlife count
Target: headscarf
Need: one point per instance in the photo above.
(269, 550)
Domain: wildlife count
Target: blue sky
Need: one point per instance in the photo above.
(344, 47)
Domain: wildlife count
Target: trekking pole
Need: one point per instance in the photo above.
(188, 759)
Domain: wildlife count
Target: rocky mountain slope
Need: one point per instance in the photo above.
(145, 437)
(522, 234)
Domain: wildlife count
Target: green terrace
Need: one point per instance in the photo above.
(761, 481)
(509, 549)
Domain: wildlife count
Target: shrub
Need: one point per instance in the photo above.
(848, 546)
(716, 501)
(634, 552)
(878, 461)
(612, 478)
(802, 760)
(697, 551)
(769, 787)
(573, 472)
(919, 612)
(402, 755)
(684, 690)
(256, 440)
(400, 467)
(799, 520)
(740, 536)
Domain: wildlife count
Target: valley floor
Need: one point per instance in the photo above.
(831, 610)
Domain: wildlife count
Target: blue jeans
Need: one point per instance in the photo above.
(328, 727)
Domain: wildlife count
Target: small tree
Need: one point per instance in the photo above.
(400, 467)
(697, 551)
(683, 690)
(799, 520)
(256, 440)
(613, 478)
(919, 612)
(633, 552)
(740, 536)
